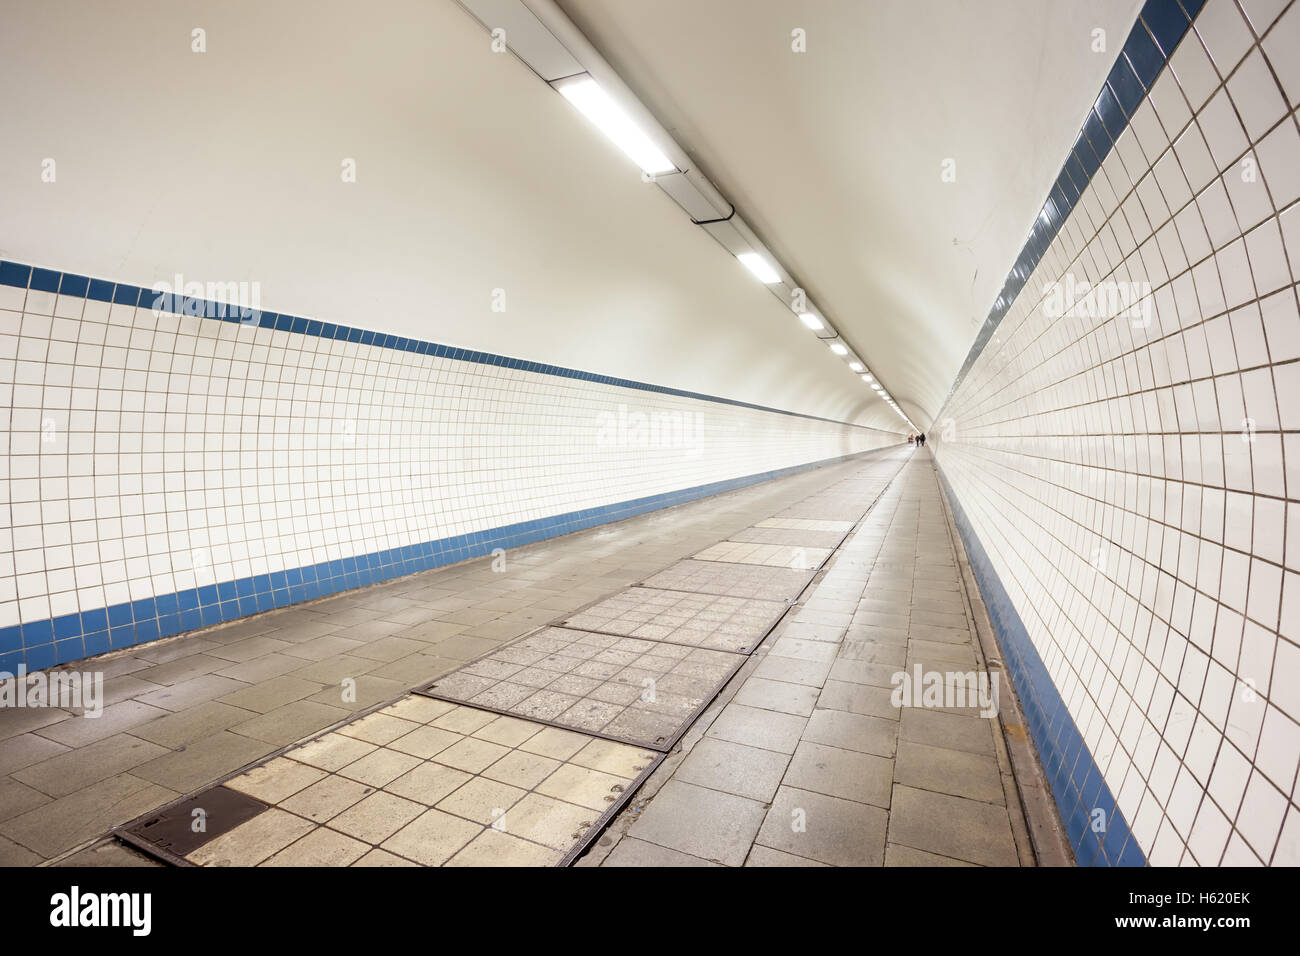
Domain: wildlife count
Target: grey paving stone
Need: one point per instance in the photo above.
(858, 732)
(827, 829)
(766, 856)
(896, 855)
(874, 652)
(952, 731)
(85, 729)
(633, 852)
(841, 773)
(126, 687)
(187, 668)
(177, 697)
(955, 772)
(320, 648)
(962, 655)
(203, 761)
(260, 668)
(76, 769)
(160, 652)
(24, 720)
(388, 649)
(733, 768)
(292, 722)
(863, 672)
(858, 699)
(700, 822)
(332, 671)
(108, 853)
(16, 798)
(810, 673)
(924, 615)
(63, 823)
(766, 729)
(11, 854)
(194, 723)
(250, 648)
(952, 826)
(798, 699)
(366, 691)
(270, 694)
(26, 749)
(812, 632)
(802, 650)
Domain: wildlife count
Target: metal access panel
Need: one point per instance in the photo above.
(174, 831)
(714, 621)
(732, 580)
(633, 691)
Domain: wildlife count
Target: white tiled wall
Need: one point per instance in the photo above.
(149, 454)
(1138, 488)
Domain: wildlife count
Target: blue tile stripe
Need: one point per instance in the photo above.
(1160, 26)
(103, 290)
(1076, 780)
(41, 644)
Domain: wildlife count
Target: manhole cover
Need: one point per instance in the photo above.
(186, 826)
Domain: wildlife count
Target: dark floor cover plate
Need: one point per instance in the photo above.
(734, 580)
(715, 621)
(626, 689)
(172, 830)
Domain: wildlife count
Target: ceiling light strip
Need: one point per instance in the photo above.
(543, 37)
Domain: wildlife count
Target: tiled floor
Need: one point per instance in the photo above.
(427, 783)
(806, 760)
(185, 713)
(802, 760)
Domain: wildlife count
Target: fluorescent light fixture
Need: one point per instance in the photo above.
(595, 104)
(839, 349)
(866, 378)
(810, 320)
(761, 268)
(856, 366)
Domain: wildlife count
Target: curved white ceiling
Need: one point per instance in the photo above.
(472, 175)
(834, 155)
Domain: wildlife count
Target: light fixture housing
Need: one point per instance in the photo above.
(811, 321)
(856, 366)
(839, 349)
(760, 267)
(597, 105)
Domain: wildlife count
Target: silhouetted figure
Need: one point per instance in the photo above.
(921, 438)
